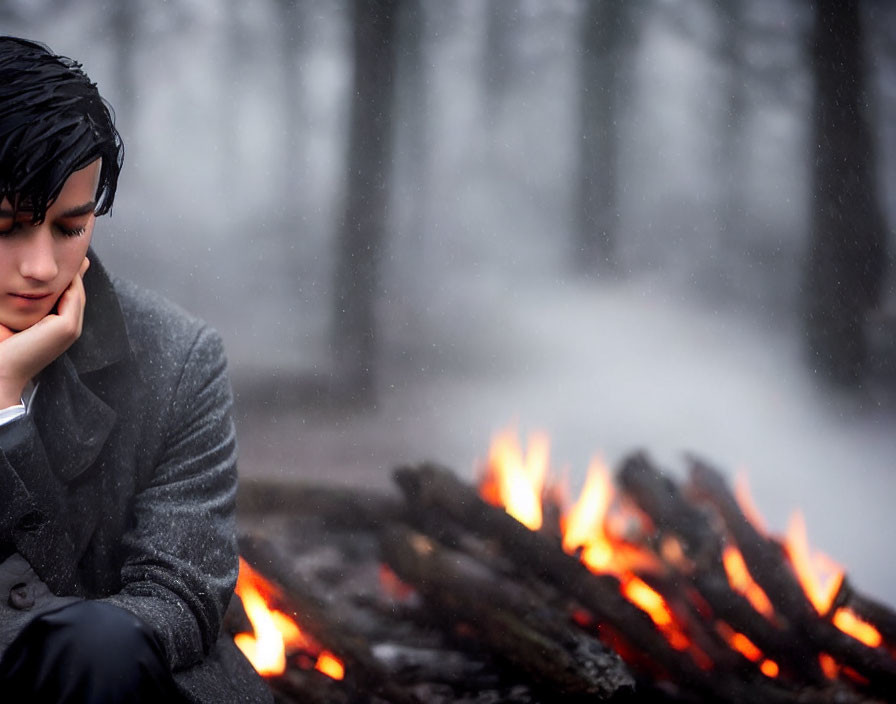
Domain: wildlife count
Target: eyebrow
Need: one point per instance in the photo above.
(77, 211)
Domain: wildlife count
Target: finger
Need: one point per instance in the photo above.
(5, 333)
(85, 265)
(71, 304)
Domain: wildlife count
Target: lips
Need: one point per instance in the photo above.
(31, 295)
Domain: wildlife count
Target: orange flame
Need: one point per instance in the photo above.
(515, 480)
(747, 505)
(819, 575)
(273, 631)
(821, 578)
(585, 529)
(740, 580)
(583, 524)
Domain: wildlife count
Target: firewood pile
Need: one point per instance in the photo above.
(432, 594)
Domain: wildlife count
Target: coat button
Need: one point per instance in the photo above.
(21, 596)
(30, 521)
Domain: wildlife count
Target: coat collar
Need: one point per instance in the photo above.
(104, 338)
(72, 420)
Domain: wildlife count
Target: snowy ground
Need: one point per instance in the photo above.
(609, 368)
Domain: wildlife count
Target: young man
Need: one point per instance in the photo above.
(117, 450)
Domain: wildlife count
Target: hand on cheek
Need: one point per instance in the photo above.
(24, 354)
(70, 306)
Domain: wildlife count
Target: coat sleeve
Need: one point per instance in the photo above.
(180, 562)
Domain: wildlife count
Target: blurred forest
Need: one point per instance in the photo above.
(341, 175)
(658, 223)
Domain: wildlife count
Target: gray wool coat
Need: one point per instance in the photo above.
(119, 484)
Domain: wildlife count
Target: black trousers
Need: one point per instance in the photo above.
(86, 653)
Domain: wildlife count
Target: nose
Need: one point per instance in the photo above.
(38, 257)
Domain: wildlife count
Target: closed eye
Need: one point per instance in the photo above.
(8, 228)
(71, 231)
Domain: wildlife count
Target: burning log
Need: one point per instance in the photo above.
(335, 506)
(503, 601)
(765, 559)
(673, 516)
(510, 621)
(763, 556)
(366, 675)
(434, 491)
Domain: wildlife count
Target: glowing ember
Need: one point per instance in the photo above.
(515, 480)
(741, 581)
(273, 631)
(648, 599)
(828, 666)
(328, 664)
(769, 668)
(392, 584)
(848, 622)
(746, 647)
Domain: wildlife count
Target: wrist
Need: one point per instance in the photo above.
(11, 393)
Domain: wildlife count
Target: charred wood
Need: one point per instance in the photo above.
(435, 491)
(660, 498)
(765, 560)
(763, 555)
(675, 590)
(334, 506)
(509, 621)
(364, 673)
(309, 687)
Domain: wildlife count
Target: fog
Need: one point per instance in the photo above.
(231, 196)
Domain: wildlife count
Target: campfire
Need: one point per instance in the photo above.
(512, 591)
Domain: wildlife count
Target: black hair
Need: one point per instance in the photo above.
(53, 122)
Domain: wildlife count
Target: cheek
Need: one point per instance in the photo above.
(73, 251)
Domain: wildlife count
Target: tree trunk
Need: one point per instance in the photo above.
(603, 35)
(847, 239)
(123, 21)
(363, 225)
(731, 164)
(502, 25)
(291, 56)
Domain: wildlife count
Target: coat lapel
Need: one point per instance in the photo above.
(73, 422)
